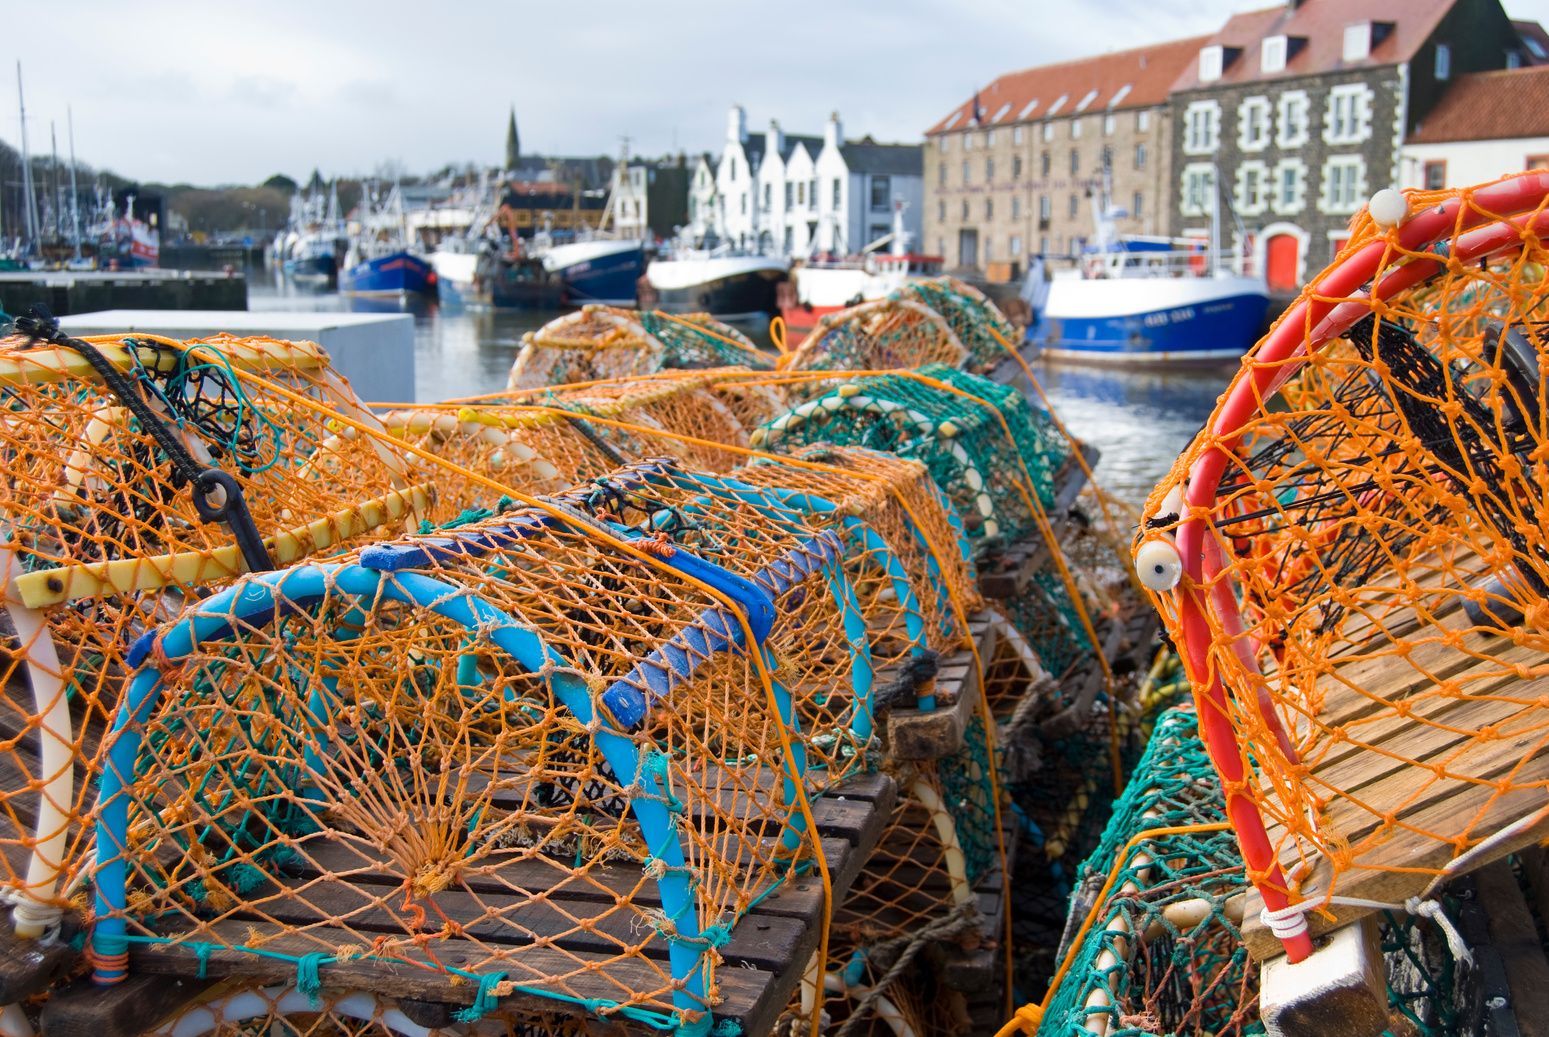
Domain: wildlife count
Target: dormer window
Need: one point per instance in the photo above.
(1443, 61)
(1272, 54)
(1362, 37)
(1210, 63)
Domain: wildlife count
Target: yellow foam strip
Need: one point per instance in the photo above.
(56, 364)
(185, 568)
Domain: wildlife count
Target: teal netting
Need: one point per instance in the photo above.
(966, 787)
(959, 435)
(697, 340)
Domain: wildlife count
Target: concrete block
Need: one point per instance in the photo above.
(373, 351)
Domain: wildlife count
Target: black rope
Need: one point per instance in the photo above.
(40, 326)
(585, 428)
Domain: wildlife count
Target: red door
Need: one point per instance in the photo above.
(1280, 264)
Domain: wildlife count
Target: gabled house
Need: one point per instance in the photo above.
(1489, 124)
(1294, 115)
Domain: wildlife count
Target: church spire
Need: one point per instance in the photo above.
(513, 143)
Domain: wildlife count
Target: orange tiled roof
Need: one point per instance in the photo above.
(1322, 24)
(1490, 106)
(1125, 79)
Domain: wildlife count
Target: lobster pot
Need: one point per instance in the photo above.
(875, 336)
(602, 342)
(1163, 953)
(979, 325)
(908, 557)
(558, 747)
(103, 539)
(553, 440)
(983, 444)
(1361, 566)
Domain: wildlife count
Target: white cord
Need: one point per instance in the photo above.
(27, 911)
(1291, 921)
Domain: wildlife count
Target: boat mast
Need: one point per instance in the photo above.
(53, 139)
(75, 197)
(30, 208)
(1215, 219)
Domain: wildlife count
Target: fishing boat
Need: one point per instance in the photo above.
(380, 261)
(601, 270)
(1136, 299)
(727, 285)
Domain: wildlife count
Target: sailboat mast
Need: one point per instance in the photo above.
(53, 139)
(75, 195)
(30, 206)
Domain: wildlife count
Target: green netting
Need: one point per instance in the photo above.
(697, 340)
(969, 794)
(959, 435)
(978, 324)
(1046, 616)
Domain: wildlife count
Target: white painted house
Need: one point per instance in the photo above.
(792, 196)
(631, 209)
(1487, 125)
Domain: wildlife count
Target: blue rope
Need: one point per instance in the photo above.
(486, 1000)
(204, 950)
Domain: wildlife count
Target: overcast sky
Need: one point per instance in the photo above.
(226, 93)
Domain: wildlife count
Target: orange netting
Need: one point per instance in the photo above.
(1360, 535)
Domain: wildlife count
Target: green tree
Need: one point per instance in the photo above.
(281, 182)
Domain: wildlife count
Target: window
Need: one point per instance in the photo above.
(989, 139)
(1253, 120)
(1198, 188)
(1292, 129)
(1075, 161)
(733, 173)
(768, 194)
(1048, 131)
(1358, 41)
(1288, 186)
(943, 174)
(1513, 59)
(1344, 184)
(836, 192)
(941, 246)
(1107, 156)
(968, 141)
(1348, 118)
(942, 215)
(801, 192)
(965, 171)
(1045, 210)
(812, 194)
(944, 142)
(1075, 129)
(1044, 164)
(1075, 206)
(1075, 247)
(1142, 121)
(965, 208)
(790, 239)
(1108, 124)
(989, 208)
(790, 197)
(1201, 126)
(1016, 135)
(1016, 167)
(881, 193)
(1016, 207)
(1272, 54)
(1139, 210)
(744, 203)
(1538, 162)
(1436, 175)
(1252, 187)
(1444, 62)
(1016, 244)
(989, 170)
(1043, 244)
(1140, 156)
(1211, 60)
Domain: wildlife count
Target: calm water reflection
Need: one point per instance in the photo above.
(1140, 419)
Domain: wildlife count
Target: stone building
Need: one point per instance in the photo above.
(1016, 169)
(1300, 113)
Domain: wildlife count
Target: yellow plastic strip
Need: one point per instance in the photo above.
(186, 568)
(56, 364)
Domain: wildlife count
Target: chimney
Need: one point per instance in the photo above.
(774, 140)
(737, 125)
(833, 133)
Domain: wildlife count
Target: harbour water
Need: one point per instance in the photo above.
(1140, 419)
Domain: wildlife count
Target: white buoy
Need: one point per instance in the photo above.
(1388, 206)
(1158, 565)
(1172, 505)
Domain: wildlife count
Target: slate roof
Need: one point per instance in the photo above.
(864, 156)
(1135, 78)
(1490, 106)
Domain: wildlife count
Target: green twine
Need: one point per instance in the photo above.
(467, 518)
(726, 1028)
(307, 979)
(486, 1000)
(204, 950)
